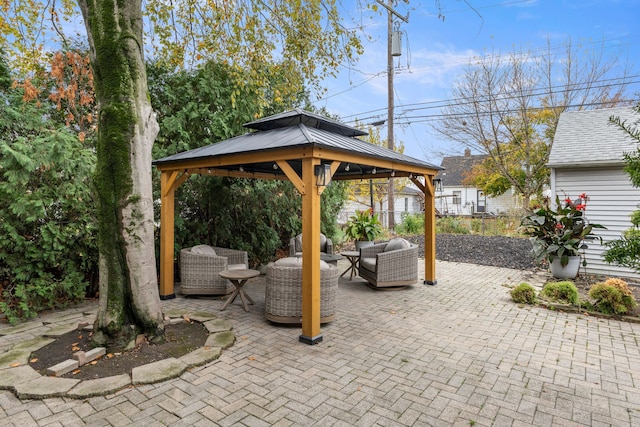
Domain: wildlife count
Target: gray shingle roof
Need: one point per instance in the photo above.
(457, 168)
(588, 138)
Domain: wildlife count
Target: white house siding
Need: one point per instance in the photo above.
(611, 200)
(413, 206)
(502, 204)
(469, 201)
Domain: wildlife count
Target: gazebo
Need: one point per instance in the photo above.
(309, 150)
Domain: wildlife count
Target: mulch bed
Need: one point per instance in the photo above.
(181, 338)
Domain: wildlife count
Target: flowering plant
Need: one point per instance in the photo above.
(560, 232)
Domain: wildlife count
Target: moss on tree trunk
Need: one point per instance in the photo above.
(129, 300)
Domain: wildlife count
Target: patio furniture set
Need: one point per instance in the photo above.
(207, 270)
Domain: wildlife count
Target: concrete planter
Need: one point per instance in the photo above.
(569, 271)
(363, 244)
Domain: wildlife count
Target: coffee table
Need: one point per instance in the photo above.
(239, 278)
(353, 257)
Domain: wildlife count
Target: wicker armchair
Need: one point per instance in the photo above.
(200, 265)
(283, 291)
(295, 245)
(390, 264)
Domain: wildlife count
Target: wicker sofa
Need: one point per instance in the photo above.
(295, 245)
(200, 265)
(283, 291)
(390, 264)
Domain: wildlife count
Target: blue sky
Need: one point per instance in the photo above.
(434, 52)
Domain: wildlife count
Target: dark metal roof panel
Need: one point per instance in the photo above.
(290, 137)
(247, 143)
(364, 148)
(311, 120)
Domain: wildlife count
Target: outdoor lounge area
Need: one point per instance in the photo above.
(460, 353)
(310, 151)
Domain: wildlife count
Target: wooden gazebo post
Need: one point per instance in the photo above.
(169, 181)
(311, 259)
(429, 231)
(429, 228)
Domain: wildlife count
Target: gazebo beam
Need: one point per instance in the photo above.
(292, 175)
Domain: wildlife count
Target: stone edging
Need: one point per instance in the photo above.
(596, 314)
(26, 383)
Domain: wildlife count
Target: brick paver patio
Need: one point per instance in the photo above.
(459, 353)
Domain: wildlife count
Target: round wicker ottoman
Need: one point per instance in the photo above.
(283, 291)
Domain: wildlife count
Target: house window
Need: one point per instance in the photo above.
(406, 204)
(457, 197)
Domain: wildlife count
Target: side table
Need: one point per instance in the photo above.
(354, 258)
(238, 278)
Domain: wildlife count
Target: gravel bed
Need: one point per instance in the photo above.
(497, 251)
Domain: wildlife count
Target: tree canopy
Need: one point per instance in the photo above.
(278, 47)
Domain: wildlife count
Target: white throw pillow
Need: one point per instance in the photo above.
(289, 262)
(397, 243)
(203, 250)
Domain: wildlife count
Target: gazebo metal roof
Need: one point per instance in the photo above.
(289, 146)
(294, 130)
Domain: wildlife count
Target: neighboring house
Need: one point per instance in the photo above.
(408, 199)
(454, 197)
(587, 157)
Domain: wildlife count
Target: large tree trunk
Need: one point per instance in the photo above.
(129, 297)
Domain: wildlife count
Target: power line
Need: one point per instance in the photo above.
(551, 48)
(429, 105)
(435, 117)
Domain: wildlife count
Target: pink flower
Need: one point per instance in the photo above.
(583, 196)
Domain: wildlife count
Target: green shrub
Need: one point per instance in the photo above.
(565, 292)
(524, 293)
(610, 299)
(48, 250)
(451, 225)
(411, 224)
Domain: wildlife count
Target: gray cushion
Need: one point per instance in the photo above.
(236, 267)
(203, 250)
(297, 262)
(397, 243)
(323, 242)
(368, 264)
(289, 262)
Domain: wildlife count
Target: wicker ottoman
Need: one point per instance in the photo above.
(283, 291)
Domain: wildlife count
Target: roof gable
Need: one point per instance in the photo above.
(588, 138)
(457, 168)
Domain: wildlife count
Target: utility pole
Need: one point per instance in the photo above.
(390, 104)
(390, 142)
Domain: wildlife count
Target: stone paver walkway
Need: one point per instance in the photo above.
(459, 353)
